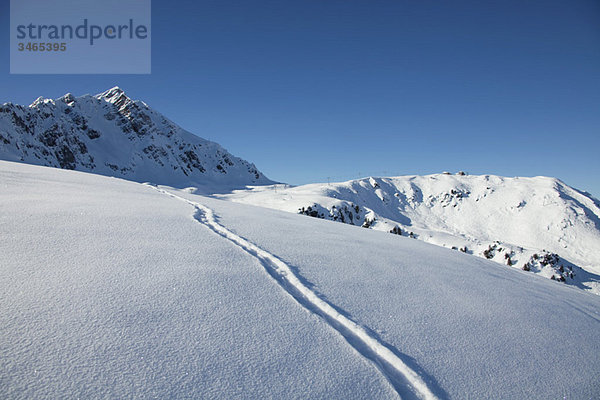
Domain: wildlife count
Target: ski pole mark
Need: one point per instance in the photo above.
(404, 380)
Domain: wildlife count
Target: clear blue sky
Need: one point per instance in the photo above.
(310, 89)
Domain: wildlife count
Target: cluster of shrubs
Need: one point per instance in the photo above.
(544, 260)
(459, 194)
(553, 260)
(311, 212)
(449, 198)
(396, 230)
(346, 214)
(464, 249)
(490, 252)
(368, 222)
(350, 214)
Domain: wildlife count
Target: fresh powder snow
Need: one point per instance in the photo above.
(117, 289)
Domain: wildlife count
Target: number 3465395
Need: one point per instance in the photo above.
(41, 46)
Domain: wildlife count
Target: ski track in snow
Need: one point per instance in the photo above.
(406, 382)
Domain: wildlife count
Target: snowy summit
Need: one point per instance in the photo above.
(111, 134)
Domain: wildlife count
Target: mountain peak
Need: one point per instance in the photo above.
(40, 101)
(115, 95)
(113, 91)
(67, 98)
(111, 134)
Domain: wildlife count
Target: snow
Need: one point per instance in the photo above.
(475, 329)
(399, 374)
(114, 289)
(536, 224)
(521, 219)
(113, 135)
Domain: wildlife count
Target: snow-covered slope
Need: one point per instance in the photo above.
(114, 289)
(110, 134)
(537, 224)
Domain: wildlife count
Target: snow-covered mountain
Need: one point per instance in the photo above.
(536, 224)
(111, 289)
(110, 134)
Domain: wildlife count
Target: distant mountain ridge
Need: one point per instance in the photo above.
(536, 224)
(111, 134)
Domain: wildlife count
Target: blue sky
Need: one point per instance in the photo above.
(314, 89)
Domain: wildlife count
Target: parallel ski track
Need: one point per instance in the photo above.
(406, 382)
